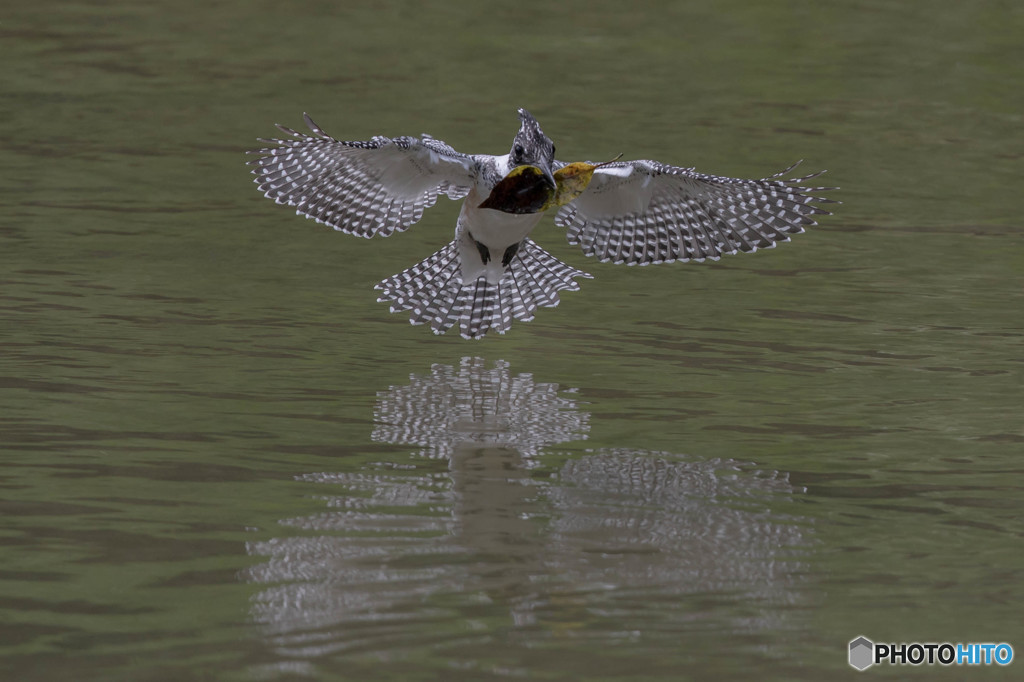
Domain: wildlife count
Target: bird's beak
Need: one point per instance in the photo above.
(548, 175)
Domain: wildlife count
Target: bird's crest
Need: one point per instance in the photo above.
(527, 119)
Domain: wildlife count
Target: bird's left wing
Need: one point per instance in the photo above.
(378, 186)
(643, 212)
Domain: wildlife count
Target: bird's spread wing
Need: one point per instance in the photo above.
(362, 188)
(643, 212)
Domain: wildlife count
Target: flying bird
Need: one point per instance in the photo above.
(491, 273)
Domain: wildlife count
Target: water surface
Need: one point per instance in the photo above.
(222, 459)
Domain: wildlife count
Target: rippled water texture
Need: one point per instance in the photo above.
(222, 459)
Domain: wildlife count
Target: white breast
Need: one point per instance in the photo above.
(495, 229)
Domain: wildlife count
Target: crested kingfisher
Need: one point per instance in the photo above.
(632, 212)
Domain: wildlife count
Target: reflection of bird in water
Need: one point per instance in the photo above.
(476, 406)
(633, 212)
(488, 530)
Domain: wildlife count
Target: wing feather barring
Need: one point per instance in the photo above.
(491, 273)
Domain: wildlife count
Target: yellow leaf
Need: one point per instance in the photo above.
(526, 190)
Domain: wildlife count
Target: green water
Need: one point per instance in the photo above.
(222, 459)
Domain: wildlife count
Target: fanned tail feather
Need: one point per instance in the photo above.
(434, 291)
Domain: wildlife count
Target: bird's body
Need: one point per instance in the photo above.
(635, 212)
(483, 233)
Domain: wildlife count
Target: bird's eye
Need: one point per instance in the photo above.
(519, 150)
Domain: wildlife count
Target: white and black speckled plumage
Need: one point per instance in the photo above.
(645, 212)
(376, 187)
(434, 291)
(636, 212)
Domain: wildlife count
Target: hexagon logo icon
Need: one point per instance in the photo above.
(862, 653)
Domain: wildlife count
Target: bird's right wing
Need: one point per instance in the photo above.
(375, 187)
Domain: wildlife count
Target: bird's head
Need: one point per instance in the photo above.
(532, 147)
